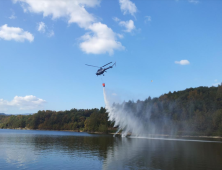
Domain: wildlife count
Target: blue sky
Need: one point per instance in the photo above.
(45, 45)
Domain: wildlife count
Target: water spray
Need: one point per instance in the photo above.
(136, 118)
(126, 121)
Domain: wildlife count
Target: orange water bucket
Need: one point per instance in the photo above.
(103, 84)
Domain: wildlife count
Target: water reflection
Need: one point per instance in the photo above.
(36, 150)
(61, 150)
(15, 152)
(75, 145)
(137, 153)
(20, 158)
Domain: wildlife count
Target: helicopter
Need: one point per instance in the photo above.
(101, 70)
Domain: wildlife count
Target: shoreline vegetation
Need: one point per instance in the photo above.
(195, 112)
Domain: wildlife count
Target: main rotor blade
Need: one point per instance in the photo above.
(107, 64)
(92, 65)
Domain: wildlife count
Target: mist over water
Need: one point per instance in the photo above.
(136, 119)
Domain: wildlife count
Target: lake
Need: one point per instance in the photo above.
(35, 149)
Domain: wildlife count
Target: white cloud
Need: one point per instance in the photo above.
(74, 10)
(116, 19)
(41, 27)
(194, 1)
(147, 19)
(114, 94)
(129, 25)
(12, 16)
(182, 62)
(51, 33)
(101, 40)
(15, 33)
(28, 102)
(120, 36)
(215, 80)
(127, 6)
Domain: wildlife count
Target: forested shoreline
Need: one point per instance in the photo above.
(91, 120)
(194, 111)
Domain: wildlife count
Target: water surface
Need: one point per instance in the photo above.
(34, 149)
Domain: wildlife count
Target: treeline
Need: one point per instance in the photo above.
(195, 111)
(91, 120)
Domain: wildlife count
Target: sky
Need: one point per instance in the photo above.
(158, 46)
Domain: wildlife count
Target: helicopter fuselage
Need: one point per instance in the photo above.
(102, 70)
